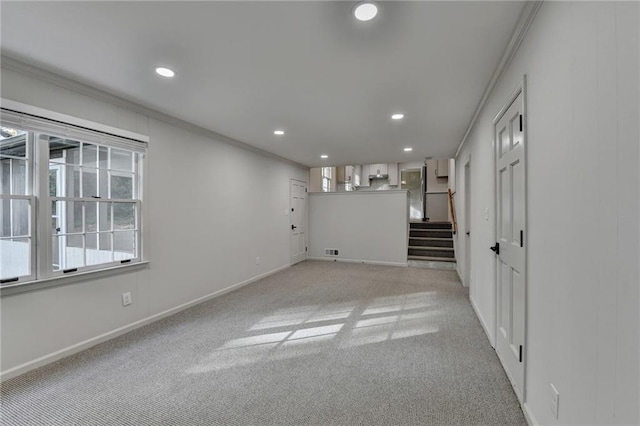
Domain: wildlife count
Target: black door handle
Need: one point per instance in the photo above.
(496, 248)
(293, 227)
(468, 233)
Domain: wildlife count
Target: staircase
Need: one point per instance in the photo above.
(431, 242)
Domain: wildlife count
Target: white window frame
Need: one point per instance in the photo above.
(39, 122)
(30, 197)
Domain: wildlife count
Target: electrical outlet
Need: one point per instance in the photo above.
(126, 299)
(258, 260)
(555, 400)
(486, 213)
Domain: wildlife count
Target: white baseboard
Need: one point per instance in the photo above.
(368, 262)
(528, 415)
(70, 350)
(483, 323)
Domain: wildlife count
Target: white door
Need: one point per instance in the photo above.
(298, 221)
(510, 246)
(467, 223)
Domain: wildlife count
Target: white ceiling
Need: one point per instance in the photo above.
(245, 69)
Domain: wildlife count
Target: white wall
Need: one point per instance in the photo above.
(582, 67)
(212, 209)
(366, 226)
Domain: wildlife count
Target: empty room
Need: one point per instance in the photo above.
(319, 213)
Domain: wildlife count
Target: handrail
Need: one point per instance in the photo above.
(453, 212)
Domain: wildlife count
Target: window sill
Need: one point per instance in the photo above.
(9, 290)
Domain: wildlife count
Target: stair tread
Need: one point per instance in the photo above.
(431, 248)
(431, 239)
(431, 258)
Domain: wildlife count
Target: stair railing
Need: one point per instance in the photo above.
(453, 212)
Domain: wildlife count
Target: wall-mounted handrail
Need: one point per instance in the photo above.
(453, 212)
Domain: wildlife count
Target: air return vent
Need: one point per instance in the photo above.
(331, 252)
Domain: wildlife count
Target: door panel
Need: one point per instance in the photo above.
(298, 217)
(510, 224)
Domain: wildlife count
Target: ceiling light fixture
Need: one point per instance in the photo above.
(397, 116)
(365, 11)
(324, 156)
(278, 132)
(408, 149)
(165, 72)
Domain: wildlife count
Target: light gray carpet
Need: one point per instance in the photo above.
(318, 344)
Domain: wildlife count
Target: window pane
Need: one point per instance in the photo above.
(5, 175)
(14, 176)
(124, 245)
(90, 217)
(15, 257)
(19, 176)
(53, 182)
(13, 142)
(55, 252)
(105, 216)
(122, 185)
(98, 249)
(89, 182)
(124, 216)
(64, 180)
(103, 157)
(15, 218)
(20, 219)
(64, 151)
(89, 155)
(121, 160)
(104, 238)
(103, 183)
(5, 219)
(70, 214)
(70, 249)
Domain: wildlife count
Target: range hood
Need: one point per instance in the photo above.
(381, 176)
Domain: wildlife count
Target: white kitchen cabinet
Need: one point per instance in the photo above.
(364, 178)
(392, 170)
(442, 169)
(378, 169)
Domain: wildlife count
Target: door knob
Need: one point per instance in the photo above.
(468, 233)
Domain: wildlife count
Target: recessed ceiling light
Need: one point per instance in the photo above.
(408, 149)
(324, 156)
(278, 132)
(397, 116)
(165, 72)
(365, 11)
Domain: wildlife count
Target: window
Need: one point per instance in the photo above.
(87, 187)
(16, 196)
(326, 173)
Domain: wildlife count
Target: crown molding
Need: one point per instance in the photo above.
(527, 16)
(12, 64)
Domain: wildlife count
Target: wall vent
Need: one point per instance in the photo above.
(331, 252)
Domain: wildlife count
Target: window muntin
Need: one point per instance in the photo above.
(91, 196)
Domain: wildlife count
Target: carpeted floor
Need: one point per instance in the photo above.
(318, 344)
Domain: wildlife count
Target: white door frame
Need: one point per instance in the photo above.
(521, 88)
(467, 222)
(305, 219)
